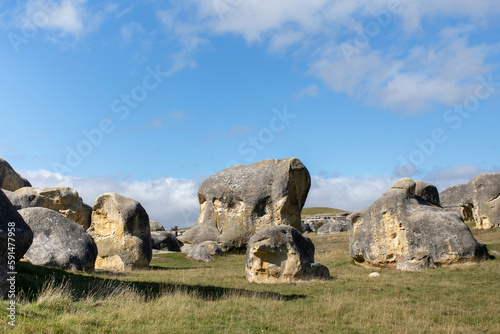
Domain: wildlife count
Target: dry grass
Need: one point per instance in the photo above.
(182, 296)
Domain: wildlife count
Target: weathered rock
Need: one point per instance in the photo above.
(239, 201)
(337, 224)
(478, 200)
(278, 254)
(15, 239)
(58, 241)
(204, 251)
(120, 228)
(154, 226)
(64, 200)
(428, 192)
(165, 240)
(316, 222)
(10, 179)
(403, 231)
(374, 274)
(305, 227)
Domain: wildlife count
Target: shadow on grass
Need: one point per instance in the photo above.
(31, 278)
(175, 268)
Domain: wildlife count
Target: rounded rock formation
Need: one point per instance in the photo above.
(239, 201)
(281, 254)
(10, 179)
(120, 228)
(58, 241)
(64, 200)
(404, 232)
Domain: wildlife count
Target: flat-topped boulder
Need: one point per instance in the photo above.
(10, 179)
(401, 230)
(120, 228)
(478, 200)
(58, 241)
(337, 224)
(241, 200)
(64, 200)
(281, 254)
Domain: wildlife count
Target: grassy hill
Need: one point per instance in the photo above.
(178, 295)
(307, 212)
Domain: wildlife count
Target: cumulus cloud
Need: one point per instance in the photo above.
(347, 193)
(168, 200)
(443, 178)
(339, 39)
(309, 91)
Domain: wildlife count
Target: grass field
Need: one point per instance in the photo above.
(313, 211)
(178, 295)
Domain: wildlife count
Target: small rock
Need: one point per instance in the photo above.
(374, 274)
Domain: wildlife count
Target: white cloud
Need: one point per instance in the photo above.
(347, 193)
(168, 200)
(406, 77)
(443, 178)
(309, 91)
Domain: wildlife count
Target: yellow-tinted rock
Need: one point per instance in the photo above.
(64, 200)
(120, 228)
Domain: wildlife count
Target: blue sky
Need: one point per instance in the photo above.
(148, 98)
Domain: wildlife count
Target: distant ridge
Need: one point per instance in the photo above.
(306, 212)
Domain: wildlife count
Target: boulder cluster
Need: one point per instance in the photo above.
(255, 208)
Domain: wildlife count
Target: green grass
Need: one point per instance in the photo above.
(307, 212)
(178, 295)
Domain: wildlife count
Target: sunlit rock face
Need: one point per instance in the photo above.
(401, 230)
(120, 228)
(239, 201)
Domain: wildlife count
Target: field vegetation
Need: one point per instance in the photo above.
(178, 295)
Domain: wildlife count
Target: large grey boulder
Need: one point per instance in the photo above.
(316, 222)
(120, 228)
(154, 226)
(15, 239)
(401, 230)
(58, 241)
(281, 254)
(239, 201)
(64, 200)
(478, 200)
(205, 251)
(428, 192)
(10, 179)
(337, 224)
(164, 240)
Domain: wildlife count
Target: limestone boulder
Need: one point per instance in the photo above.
(10, 179)
(478, 200)
(401, 230)
(58, 241)
(64, 200)
(428, 192)
(120, 228)
(164, 240)
(337, 224)
(315, 222)
(205, 251)
(281, 254)
(154, 226)
(239, 201)
(15, 240)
